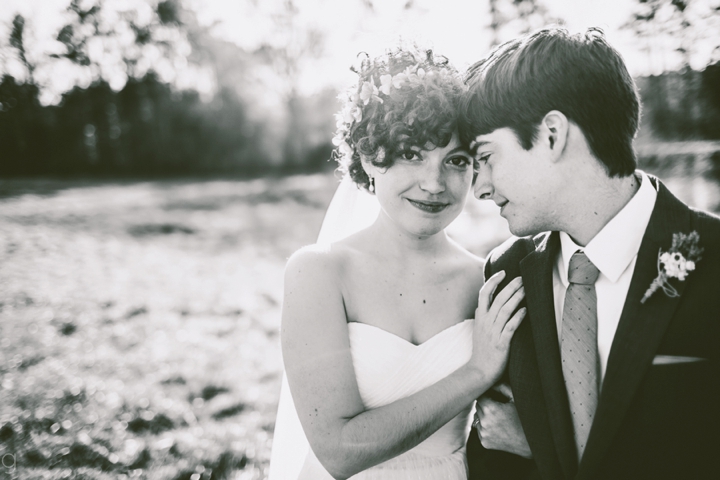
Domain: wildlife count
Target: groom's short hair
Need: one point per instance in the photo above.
(580, 75)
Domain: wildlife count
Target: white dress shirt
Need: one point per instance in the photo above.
(614, 252)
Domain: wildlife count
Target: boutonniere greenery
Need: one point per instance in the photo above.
(677, 263)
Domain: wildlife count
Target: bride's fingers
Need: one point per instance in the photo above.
(504, 296)
(508, 309)
(505, 390)
(513, 324)
(488, 290)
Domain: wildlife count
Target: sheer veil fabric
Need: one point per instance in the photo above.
(350, 210)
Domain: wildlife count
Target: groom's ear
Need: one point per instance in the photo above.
(554, 132)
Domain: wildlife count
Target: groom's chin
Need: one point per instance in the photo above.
(520, 230)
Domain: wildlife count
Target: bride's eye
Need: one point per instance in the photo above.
(409, 155)
(460, 161)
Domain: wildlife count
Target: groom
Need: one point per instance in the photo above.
(609, 378)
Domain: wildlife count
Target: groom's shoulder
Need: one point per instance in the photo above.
(514, 249)
(707, 226)
(707, 222)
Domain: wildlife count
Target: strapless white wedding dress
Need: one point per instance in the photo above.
(389, 368)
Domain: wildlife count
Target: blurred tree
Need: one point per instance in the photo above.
(145, 129)
(21, 119)
(129, 120)
(683, 105)
(689, 29)
(510, 18)
(17, 41)
(290, 48)
(680, 103)
(120, 43)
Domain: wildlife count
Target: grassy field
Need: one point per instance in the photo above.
(139, 322)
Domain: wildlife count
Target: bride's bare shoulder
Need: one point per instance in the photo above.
(320, 260)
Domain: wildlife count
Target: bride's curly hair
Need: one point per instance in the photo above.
(405, 98)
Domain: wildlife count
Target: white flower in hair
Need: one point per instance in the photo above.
(386, 82)
(369, 91)
(399, 80)
(346, 149)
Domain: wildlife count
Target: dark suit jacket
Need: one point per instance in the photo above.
(652, 421)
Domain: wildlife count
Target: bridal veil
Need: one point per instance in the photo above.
(350, 210)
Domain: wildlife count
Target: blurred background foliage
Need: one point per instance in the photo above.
(154, 92)
(135, 116)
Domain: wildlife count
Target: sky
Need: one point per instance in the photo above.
(455, 28)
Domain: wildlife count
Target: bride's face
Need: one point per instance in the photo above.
(425, 190)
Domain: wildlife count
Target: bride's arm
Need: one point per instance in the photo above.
(345, 437)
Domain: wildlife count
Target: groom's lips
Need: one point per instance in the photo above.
(502, 206)
(429, 207)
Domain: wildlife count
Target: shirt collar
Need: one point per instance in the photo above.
(617, 244)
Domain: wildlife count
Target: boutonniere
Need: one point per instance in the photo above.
(677, 262)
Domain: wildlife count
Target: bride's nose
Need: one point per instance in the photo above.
(432, 178)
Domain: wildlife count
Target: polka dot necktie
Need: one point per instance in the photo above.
(580, 361)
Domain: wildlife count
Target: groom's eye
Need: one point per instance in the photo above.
(483, 158)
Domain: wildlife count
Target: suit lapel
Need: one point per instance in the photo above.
(537, 273)
(640, 329)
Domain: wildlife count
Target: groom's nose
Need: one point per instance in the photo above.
(483, 188)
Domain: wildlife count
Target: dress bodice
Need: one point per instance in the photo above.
(389, 368)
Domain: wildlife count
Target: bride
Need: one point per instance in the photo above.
(385, 340)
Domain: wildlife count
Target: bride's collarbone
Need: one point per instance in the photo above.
(407, 287)
(405, 305)
(434, 276)
(431, 269)
(412, 299)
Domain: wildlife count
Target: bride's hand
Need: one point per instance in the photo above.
(495, 325)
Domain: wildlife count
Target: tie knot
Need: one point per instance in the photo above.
(582, 271)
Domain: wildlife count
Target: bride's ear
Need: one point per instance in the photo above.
(366, 165)
(371, 170)
(554, 133)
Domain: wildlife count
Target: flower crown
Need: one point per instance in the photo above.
(367, 92)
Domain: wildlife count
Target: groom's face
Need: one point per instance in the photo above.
(519, 181)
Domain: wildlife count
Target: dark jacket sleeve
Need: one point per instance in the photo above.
(494, 464)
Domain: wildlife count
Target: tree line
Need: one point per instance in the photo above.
(150, 126)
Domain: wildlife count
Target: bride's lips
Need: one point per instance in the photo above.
(429, 207)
